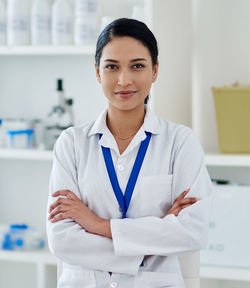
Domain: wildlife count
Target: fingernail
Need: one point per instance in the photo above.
(198, 199)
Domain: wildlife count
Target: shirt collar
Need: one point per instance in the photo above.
(151, 123)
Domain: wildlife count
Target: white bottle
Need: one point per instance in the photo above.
(2, 23)
(41, 22)
(86, 27)
(87, 8)
(86, 30)
(62, 23)
(18, 22)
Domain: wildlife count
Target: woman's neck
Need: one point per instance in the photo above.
(125, 123)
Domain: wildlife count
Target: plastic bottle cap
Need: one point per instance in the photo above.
(16, 132)
(19, 226)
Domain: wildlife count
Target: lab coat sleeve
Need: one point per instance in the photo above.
(67, 240)
(172, 235)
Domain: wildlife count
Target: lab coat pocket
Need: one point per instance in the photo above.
(155, 192)
(77, 278)
(148, 279)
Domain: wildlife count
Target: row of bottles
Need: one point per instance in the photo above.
(45, 22)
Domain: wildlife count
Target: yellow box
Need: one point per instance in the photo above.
(232, 108)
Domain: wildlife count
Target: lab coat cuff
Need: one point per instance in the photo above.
(120, 245)
(118, 239)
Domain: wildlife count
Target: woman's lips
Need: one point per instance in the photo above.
(125, 94)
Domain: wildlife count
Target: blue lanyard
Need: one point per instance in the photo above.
(124, 200)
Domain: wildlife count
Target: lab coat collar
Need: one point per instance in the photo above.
(151, 124)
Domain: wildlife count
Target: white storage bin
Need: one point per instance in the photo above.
(229, 234)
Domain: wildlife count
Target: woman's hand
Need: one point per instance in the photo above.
(72, 207)
(181, 203)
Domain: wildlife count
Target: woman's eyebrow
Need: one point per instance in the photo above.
(132, 61)
(138, 59)
(111, 60)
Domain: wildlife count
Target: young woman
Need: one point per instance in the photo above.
(129, 192)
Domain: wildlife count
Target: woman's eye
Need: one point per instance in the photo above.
(138, 66)
(111, 67)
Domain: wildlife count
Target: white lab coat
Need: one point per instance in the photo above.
(174, 162)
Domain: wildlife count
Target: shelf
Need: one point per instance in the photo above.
(26, 154)
(225, 273)
(228, 160)
(211, 159)
(37, 257)
(47, 50)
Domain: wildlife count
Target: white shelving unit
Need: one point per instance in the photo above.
(25, 154)
(38, 257)
(228, 160)
(43, 260)
(46, 50)
(225, 273)
(218, 160)
(217, 60)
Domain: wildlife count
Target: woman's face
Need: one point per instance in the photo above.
(126, 73)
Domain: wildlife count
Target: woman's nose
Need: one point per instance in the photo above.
(124, 78)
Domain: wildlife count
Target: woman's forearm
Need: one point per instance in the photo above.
(102, 228)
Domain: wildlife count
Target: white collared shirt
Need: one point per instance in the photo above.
(174, 162)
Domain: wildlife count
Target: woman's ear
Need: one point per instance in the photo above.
(97, 70)
(155, 71)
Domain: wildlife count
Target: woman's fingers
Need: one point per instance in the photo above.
(59, 209)
(181, 204)
(60, 217)
(58, 202)
(178, 209)
(182, 195)
(67, 193)
(189, 200)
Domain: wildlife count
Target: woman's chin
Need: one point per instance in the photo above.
(126, 106)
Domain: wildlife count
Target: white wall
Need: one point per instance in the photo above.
(172, 91)
(221, 55)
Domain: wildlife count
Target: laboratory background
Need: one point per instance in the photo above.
(48, 83)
